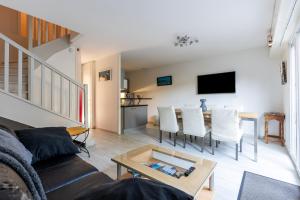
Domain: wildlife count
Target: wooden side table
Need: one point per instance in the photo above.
(278, 117)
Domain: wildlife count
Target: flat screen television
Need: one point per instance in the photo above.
(216, 83)
(164, 80)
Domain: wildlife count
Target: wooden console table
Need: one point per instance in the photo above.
(278, 117)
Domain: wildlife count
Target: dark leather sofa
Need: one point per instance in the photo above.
(65, 177)
(69, 177)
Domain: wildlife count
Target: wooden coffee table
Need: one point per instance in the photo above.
(194, 184)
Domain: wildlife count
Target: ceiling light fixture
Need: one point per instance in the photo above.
(185, 40)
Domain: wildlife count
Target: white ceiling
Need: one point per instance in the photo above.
(145, 30)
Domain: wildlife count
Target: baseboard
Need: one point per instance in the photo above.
(102, 129)
(132, 129)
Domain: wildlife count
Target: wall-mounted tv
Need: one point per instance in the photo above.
(216, 83)
(164, 80)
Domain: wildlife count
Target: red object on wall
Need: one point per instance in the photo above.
(80, 106)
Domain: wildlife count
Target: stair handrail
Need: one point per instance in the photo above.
(83, 87)
(16, 45)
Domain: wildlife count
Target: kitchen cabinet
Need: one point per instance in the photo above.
(134, 116)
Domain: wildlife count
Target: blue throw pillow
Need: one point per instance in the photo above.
(49, 142)
(13, 143)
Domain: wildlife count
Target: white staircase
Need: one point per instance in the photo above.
(34, 93)
(13, 78)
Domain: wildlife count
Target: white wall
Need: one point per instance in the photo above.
(258, 87)
(88, 77)
(64, 61)
(107, 98)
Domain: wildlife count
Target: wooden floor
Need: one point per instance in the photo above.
(273, 160)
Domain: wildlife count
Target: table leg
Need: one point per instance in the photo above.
(212, 182)
(281, 133)
(255, 139)
(118, 171)
(266, 131)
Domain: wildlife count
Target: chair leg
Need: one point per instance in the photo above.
(212, 148)
(170, 135)
(217, 143)
(209, 138)
(237, 151)
(184, 141)
(160, 136)
(241, 144)
(195, 138)
(174, 139)
(202, 144)
(191, 138)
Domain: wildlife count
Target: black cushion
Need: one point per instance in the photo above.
(60, 171)
(81, 189)
(45, 143)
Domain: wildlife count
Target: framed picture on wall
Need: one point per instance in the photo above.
(283, 72)
(105, 75)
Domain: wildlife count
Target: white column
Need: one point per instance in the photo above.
(86, 116)
(43, 86)
(6, 66)
(20, 73)
(31, 79)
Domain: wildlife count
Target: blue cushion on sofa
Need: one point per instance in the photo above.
(12, 142)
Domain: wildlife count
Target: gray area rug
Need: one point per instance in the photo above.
(257, 187)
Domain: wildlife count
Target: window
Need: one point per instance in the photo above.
(294, 76)
(293, 106)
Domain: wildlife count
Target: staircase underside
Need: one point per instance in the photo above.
(13, 108)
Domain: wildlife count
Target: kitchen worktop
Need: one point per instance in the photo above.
(137, 105)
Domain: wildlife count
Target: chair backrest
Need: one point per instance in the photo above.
(239, 108)
(191, 106)
(225, 122)
(193, 122)
(167, 119)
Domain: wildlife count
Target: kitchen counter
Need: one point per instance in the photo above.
(136, 105)
(134, 116)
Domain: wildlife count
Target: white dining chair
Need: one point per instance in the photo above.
(193, 124)
(167, 122)
(225, 127)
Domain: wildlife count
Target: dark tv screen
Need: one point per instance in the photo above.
(164, 80)
(216, 83)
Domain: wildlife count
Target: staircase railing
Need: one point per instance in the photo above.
(76, 103)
